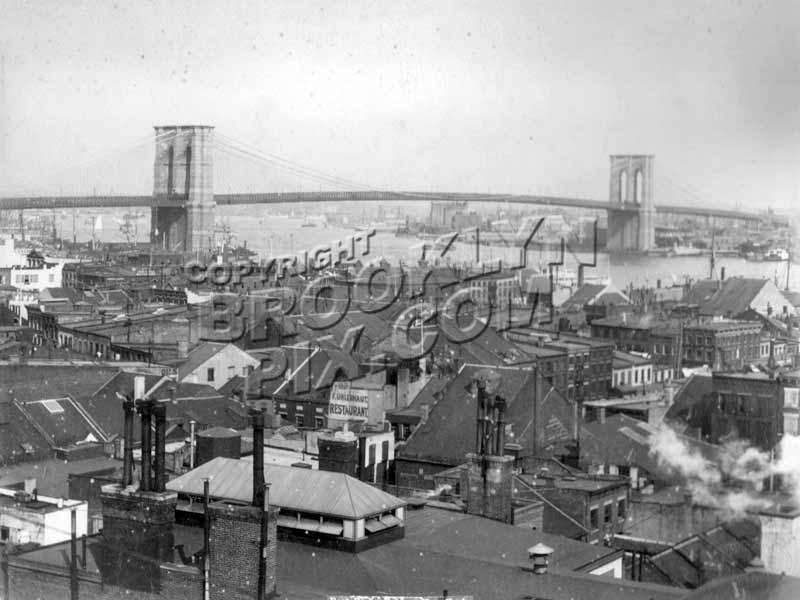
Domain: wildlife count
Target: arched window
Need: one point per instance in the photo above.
(638, 187)
(623, 187)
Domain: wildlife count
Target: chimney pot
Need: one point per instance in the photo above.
(539, 555)
(138, 387)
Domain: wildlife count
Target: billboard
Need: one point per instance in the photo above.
(347, 403)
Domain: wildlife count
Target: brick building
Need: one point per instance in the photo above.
(748, 406)
(722, 345)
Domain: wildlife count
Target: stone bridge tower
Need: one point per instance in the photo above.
(631, 215)
(183, 189)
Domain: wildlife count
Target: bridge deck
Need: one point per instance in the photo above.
(47, 202)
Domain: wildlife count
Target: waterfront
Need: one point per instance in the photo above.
(267, 234)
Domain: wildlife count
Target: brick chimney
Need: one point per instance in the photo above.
(486, 480)
(243, 543)
(138, 520)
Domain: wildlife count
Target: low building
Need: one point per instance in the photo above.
(214, 364)
(27, 517)
(587, 508)
(316, 507)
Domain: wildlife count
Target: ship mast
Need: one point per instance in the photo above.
(713, 258)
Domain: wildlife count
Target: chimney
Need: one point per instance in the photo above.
(145, 410)
(127, 441)
(160, 414)
(580, 275)
(500, 436)
(258, 458)
(722, 273)
(30, 485)
(539, 555)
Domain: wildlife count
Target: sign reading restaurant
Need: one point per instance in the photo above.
(348, 403)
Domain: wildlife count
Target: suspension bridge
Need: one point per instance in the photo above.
(183, 200)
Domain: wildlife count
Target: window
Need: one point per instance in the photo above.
(593, 523)
(298, 420)
(210, 375)
(231, 372)
(246, 370)
(621, 508)
(607, 513)
(791, 397)
(52, 406)
(284, 416)
(791, 423)
(319, 423)
(5, 533)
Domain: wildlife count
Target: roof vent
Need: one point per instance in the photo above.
(540, 554)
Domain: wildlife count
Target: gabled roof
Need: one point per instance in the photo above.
(198, 357)
(726, 549)
(63, 421)
(733, 297)
(193, 401)
(449, 432)
(304, 490)
(595, 293)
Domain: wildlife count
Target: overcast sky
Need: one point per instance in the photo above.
(446, 96)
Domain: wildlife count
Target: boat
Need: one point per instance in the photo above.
(777, 255)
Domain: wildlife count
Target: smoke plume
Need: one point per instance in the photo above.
(732, 475)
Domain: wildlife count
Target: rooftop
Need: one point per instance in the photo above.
(304, 490)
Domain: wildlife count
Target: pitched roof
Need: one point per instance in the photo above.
(198, 357)
(593, 293)
(733, 297)
(193, 401)
(448, 435)
(625, 441)
(726, 549)
(692, 403)
(304, 490)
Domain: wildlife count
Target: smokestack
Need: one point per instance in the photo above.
(160, 413)
(127, 440)
(258, 458)
(145, 410)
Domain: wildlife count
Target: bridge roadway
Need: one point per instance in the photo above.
(53, 202)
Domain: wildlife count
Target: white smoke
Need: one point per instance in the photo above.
(729, 476)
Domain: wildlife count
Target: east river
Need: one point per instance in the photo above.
(267, 234)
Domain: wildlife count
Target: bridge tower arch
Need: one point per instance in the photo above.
(631, 214)
(183, 209)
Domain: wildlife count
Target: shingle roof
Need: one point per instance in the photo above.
(304, 490)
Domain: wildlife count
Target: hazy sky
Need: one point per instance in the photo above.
(445, 96)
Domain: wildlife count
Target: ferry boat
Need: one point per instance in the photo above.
(777, 255)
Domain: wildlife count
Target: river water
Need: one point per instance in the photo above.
(267, 234)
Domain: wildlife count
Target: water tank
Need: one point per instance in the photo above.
(217, 441)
